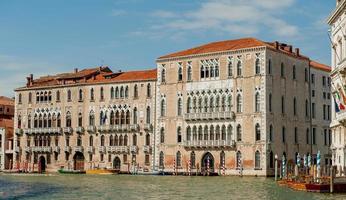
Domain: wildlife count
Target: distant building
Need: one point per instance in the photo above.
(93, 118)
(6, 132)
(337, 25)
(236, 104)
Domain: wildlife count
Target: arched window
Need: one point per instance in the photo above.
(135, 91)
(189, 72)
(188, 133)
(294, 72)
(57, 96)
(211, 135)
(161, 160)
(79, 140)
(19, 124)
(134, 140)
(111, 142)
(189, 105)
(180, 73)
(92, 95)
(180, 107)
(239, 103)
(147, 139)
(271, 160)
(80, 95)
(58, 120)
(239, 133)
(148, 90)
(230, 67)
(269, 66)
(217, 71)
(217, 132)
(30, 97)
(200, 104)
(207, 72)
(127, 92)
(257, 102)
(211, 104)
(194, 133)
(229, 102)
(68, 119)
(223, 132)
(127, 121)
(212, 72)
(91, 119)
(194, 104)
(102, 140)
(223, 103)
(116, 92)
(116, 140)
(282, 70)
(294, 106)
(217, 103)
(163, 75)
(258, 132)
(179, 137)
(205, 137)
(80, 119)
(148, 115)
(205, 103)
(270, 102)
(163, 108)
(239, 68)
(101, 94)
(102, 118)
(257, 66)
(122, 117)
(229, 133)
(178, 157)
(308, 136)
(69, 95)
(122, 93)
(29, 121)
(135, 116)
(91, 141)
(125, 140)
(257, 160)
(49, 96)
(271, 133)
(192, 160)
(239, 160)
(112, 93)
(112, 118)
(121, 140)
(117, 118)
(200, 133)
(162, 135)
(202, 72)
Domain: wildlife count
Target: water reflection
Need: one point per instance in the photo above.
(146, 187)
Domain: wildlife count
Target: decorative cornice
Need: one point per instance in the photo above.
(336, 12)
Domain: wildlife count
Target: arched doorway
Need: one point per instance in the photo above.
(42, 164)
(78, 161)
(207, 158)
(116, 163)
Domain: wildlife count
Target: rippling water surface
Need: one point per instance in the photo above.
(146, 187)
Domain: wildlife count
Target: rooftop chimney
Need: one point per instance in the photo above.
(276, 45)
(29, 80)
(297, 52)
(75, 70)
(290, 48)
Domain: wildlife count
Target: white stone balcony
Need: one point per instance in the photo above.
(102, 149)
(111, 149)
(41, 149)
(80, 130)
(67, 130)
(103, 128)
(91, 149)
(134, 149)
(147, 149)
(134, 127)
(341, 116)
(17, 149)
(148, 127)
(79, 149)
(209, 116)
(210, 144)
(19, 131)
(47, 149)
(68, 149)
(27, 149)
(91, 129)
(56, 149)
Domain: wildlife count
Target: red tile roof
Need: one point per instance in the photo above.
(320, 66)
(93, 75)
(6, 101)
(237, 44)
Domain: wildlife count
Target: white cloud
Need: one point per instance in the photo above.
(231, 17)
(164, 14)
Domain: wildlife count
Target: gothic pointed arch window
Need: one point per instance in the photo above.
(127, 121)
(121, 140)
(206, 72)
(257, 132)
(91, 118)
(239, 133)
(239, 68)
(229, 132)
(80, 119)
(117, 93)
(230, 67)
(180, 107)
(122, 93)
(30, 97)
(163, 75)
(178, 159)
(68, 119)
(217, 130)
(134, 139)
(188, 133)
(257, 102)
(257, 160)
(69, 95)
(80, 95)
(189, 105)
(148, 120)
(223, 132)
(180, 73)
(79, 140)
(189, 71)
(223, 103)
(58, 120)
(294, 76)
(211, 135)
(202, 71)
(239, 103)
(111, 141)
(102, 94)
(147, 139)
(116, 140)
(135, 116)
(102, 141)
(294, 106)
(282, 70)
(205, 103)
(257, 66)
(200, 102)
(112, 118)
(205, 136)
(91, 141)
(217, 70)
(211, 104)
(148, 90)
(193, 160)
(194, 133)
(212, 71)
(112, 93)
(135, 91)
(117, 117)
(126, 139)
(179, 136)
(122, 117)
(163, 108)
(92, 95)
(270, 102)
(217, 103)
(162, 135)
(127, 92)
(200, 133)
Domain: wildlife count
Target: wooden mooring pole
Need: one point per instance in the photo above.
(331, 179)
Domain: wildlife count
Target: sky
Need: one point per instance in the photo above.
(46, 37)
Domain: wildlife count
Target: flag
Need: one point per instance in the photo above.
(336, 106)
(343, 96)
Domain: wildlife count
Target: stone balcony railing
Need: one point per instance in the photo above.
(148, 127)
(118, 149)
(90, 149)
(102, 149)
(68, 149)
(104, 128)
(56, 149)
(210, 144)
(147, 149)
(80, 129)
(19, 131)
(209, 116)
(51, 130)
(91, 129)
(42, 149)
(79, 149)
(341, 116)
(134, 149)
(67, 130)
(27, 149)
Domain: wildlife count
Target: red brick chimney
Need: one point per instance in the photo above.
(276, 45)
(297, 52)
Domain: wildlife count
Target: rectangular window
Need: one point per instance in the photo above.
(313, 93)
(325, 137)
(328, 112)
(314, 136)
(324, 95)
(313, 78)
(295, 135)
(313, 110)
(324, 81)
(283, 135)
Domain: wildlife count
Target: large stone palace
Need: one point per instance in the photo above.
(223, 107)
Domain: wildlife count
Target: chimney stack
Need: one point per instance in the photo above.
(290, 48)
(276, 45)
(29, 80)
(75, 70)
(297, 52)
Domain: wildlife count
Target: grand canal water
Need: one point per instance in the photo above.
(146, 187)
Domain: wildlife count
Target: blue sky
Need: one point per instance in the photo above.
(45, 37)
